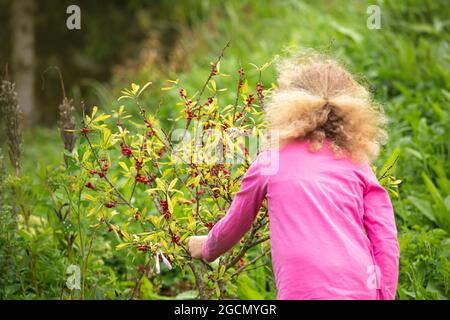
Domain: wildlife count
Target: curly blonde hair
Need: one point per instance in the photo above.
(318, 99)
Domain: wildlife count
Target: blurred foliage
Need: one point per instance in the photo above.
(110, 32)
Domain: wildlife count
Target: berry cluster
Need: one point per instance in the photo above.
(151, 132)
(222, 167)
(164, 209)
(105, 166)
(241, 77)
(175, 239)
(241, 263)
(259, 91)
(143, 247)
(142, 179)
(249, 100)
(162, 151)
(183, 93)
(126, 150)
(110, 205)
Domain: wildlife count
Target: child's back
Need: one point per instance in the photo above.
(317, 206)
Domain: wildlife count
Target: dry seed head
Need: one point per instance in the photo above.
(12, 116)
(67, 122)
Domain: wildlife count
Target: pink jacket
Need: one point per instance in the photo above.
(332, 226)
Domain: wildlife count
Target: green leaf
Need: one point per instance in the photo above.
(143, 88)
(134, 88)
(213, 84)
(122, 246)
(86, 155)
(94, 111)
(173, 183)
(124, 166)
(187, 295)
(447, 202)
(101, 117)
(221, 271)
(390, 163)
(441, 212)
(424, 207)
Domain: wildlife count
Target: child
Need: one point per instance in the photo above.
(332, 227)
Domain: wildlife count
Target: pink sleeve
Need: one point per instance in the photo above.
(239, 218)
(379, 222)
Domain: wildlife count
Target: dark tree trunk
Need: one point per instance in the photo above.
(23, 55)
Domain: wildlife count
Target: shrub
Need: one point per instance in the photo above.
(155, 187)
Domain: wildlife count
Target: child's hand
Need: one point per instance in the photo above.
(195, 246)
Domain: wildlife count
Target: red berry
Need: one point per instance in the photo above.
(175, 239)
(249, 100)
(142, 247)
(189, 115)
(140, 178)
(110, 205)
(259, 90)
(139, 165)
(89, 185)
(151, 133)
(241, 71)
(214, 70)
(165, 209)
(126, 150)
(209, 225)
